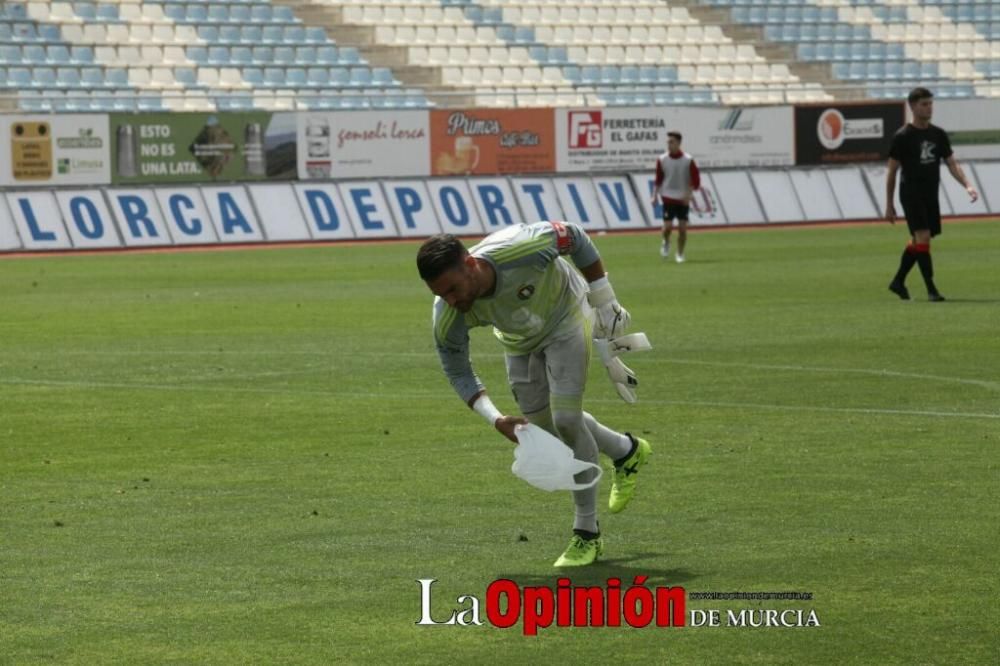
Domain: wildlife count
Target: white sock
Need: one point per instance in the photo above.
(613, 444)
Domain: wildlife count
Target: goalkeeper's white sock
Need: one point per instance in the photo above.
(575, 433)
(613, 444)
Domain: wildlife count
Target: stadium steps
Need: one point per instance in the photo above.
(809, 72)
(396, 58)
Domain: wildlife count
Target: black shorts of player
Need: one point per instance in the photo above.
(678, 211)
(922, 209)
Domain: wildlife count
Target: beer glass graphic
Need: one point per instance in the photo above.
(466, 154)
(253, 150)
(127, 149)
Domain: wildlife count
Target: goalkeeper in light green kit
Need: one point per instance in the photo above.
(544, 313)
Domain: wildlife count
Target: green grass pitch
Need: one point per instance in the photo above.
(252, 456)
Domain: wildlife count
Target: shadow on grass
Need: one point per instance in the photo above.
(625, 568)
(973, 300)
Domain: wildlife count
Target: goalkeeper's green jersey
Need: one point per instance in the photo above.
(538, 296)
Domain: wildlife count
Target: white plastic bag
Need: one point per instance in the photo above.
(546, 462)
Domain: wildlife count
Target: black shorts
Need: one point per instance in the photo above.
(679, 211)
(922, 209)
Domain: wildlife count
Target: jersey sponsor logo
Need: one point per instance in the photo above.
(927, 155)
(525, 291)
(585, 129)
(833, 129)
(563, 240)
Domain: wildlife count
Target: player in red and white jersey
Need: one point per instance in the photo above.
(676, 178)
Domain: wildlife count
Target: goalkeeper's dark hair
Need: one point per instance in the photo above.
(438, 254)
(676, 135)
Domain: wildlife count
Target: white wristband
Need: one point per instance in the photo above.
(600, 292)
(599, 283)
(485, 408)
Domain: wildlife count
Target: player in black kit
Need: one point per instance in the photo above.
(919, 148)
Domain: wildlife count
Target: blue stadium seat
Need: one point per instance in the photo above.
(274, 77)
(340, 77)
(197, 54)
(306, 55)
(254, 76)
(590, 75)
(295, 77)
(43, 77)
(48, 32)
(195, 13)
(572, 74)
(149, 102)
(234, 101)
(108, 13)
(227, 34)
(282, 14)
(318, 77)
(218, 55)
(294, 34)
(86, 11)
(116, 78)
(876, 71)
(349, 55)
(40, 103)
(175, 13)
(186, 76)
(272, 34)
(241, 55)
(92, 77)
(284, 55)
(668, 74)
(239, 14)
(34, 54)
(263, 54)
(24, 33)
(250, 34)
(859, 51)
(259, 14)
(361, 76)
(382, 77)
(327, 55)
(217, 13)
(82, 55)
(69, 77)
(316, 35)
(10, 54)
(14, 10)
(20, 77)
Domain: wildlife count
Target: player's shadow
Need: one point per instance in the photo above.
(625, 568)
(973, 300)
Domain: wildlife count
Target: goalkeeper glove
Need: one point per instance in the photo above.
(611, 318)
(621, 375)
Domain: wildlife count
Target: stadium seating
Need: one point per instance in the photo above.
(182, 56)
(204, 54)
(887, 46)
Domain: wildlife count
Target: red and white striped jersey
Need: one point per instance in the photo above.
(676, 176)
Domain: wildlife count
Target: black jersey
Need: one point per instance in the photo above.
(920, 152)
